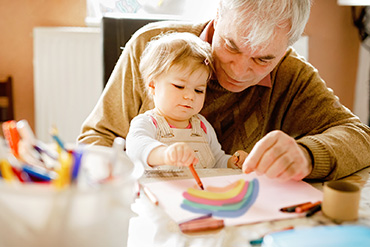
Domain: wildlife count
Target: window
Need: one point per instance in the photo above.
(181, 9)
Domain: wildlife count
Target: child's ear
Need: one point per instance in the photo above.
(152, 87)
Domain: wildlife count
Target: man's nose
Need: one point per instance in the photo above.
(241, 65)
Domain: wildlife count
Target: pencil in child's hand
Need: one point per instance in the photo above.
(195, 175)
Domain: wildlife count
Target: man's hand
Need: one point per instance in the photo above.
(278, 155)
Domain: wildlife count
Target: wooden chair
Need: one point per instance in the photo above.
(6, 100)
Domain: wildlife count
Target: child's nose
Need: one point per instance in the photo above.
(189, 94)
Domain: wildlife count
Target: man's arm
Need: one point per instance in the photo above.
(309, 113)
(123, 98)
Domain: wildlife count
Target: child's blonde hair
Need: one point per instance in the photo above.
(167, 50)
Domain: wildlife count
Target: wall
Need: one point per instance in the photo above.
(333, 47)
(18, 18)
(333, 44)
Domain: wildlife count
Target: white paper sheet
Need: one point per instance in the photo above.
(272, 196)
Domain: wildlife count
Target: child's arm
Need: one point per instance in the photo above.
(236, 161)
(177, 154)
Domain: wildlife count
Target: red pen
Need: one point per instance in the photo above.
(195, 175)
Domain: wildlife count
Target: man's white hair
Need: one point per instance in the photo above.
(261, 17)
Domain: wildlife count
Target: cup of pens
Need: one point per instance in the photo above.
(84, 200)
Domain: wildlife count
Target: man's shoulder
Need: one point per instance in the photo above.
(293, 63)
(293, 57)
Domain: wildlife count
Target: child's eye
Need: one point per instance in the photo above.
(199, 91)
(178, 86)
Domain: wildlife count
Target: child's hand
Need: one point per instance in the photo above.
(236, 161)
(180, 154)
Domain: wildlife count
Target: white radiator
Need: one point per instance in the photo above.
(68, 78)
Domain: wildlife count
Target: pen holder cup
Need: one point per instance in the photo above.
(341, 201)
(85, 213)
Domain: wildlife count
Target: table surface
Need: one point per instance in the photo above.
(153, 227)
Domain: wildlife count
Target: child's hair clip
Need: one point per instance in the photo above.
(206, 62)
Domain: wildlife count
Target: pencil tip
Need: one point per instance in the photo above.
(202, 187)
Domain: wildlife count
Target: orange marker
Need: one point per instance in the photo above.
(195, 175)
(12, 136)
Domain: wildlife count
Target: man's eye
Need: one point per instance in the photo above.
(261, 61)
(178, 86)
(230, 48)
(199, 91)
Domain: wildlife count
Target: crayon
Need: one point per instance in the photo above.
(291, 209)
(313, 210)
(203, 224)
(195, 175)
(150, 195)
(305, 208)
(137, 189)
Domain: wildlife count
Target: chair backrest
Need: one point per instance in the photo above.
(6, 100)
(116, 32)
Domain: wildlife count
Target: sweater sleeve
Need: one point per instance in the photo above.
(337, 141)
(220, 157)
(141, 140)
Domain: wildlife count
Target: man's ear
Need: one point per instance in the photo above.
(152, 87)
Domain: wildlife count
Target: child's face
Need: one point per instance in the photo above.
(179, 94)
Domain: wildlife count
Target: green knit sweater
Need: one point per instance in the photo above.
(298, 103)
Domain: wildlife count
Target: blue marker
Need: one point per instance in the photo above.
(38, 173)
(77, 155)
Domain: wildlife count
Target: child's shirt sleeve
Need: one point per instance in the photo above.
(140, 140)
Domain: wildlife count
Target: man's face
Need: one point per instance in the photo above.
(237, 67)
